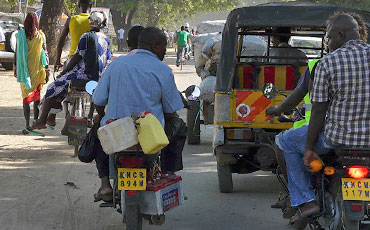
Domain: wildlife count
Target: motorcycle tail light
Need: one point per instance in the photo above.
(358, 172)
(131, 162)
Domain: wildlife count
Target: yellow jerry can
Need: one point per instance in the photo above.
(151, 135)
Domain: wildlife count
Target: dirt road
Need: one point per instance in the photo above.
(44, 188)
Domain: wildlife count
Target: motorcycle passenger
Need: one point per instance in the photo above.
(88, 63)
(76, 26)
(300, 93)
(123, 89)
(346, 106)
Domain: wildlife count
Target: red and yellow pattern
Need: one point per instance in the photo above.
(257, 104)
(282, 76)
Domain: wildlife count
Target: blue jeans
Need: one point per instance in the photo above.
(179, 52)
(293, 143)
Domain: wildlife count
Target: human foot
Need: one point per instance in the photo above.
(104, 194)
(50, 120)
(306, 210)
(39, 125)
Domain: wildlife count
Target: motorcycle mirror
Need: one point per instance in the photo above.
(90, 87)
(269, 90)
(192, 93)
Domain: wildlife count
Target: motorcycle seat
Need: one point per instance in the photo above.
(78, 84)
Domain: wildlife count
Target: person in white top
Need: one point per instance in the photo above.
(120, 39)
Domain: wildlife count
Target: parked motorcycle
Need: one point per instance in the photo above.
(342, 186)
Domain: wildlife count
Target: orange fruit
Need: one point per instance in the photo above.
(316, 165)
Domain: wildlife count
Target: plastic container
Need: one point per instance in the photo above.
(118, 135)
(152, 137)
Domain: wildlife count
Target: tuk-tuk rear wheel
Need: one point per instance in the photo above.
(225, 179)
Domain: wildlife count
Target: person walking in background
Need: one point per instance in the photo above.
(31, 66)
(182, 42)
(120, 39)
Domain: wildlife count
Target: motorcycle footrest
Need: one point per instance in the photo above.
(106, 205)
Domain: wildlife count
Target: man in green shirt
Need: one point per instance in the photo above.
(182, 42)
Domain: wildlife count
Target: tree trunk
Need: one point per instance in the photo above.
(50, 24)
(119, 20)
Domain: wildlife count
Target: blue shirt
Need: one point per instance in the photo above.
(136, 83)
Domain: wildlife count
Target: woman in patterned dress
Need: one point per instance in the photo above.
(92, 56)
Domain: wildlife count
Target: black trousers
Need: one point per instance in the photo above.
(101, 160)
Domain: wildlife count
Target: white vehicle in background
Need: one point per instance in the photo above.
(313, 43)
(10, 24)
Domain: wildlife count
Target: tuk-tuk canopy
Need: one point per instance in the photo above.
(275, 14)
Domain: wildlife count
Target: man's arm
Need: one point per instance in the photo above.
(294, 98)
(76, 58)
(288, 104)
(320, 105)
(62, 40)
(171, 100)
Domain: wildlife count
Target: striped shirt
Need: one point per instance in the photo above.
(342, 78)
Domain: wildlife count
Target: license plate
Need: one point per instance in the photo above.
(354, 189)
(131, 179)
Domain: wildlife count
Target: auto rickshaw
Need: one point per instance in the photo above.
(244, 137)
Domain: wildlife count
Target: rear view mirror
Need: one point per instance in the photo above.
(90, 87)
(269, 90)
(192, 93)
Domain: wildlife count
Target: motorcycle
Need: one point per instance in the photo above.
(141, 190)
(342, 187)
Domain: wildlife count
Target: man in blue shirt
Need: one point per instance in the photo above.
(136, 83)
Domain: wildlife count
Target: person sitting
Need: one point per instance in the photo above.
(133, 37)
(329, 128)
(135, 73)
(284, 52)
(88, 63)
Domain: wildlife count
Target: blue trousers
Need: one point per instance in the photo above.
(293, 143)
(179, 52)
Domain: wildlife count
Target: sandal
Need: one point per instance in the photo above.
(26, 131)
(106, 198)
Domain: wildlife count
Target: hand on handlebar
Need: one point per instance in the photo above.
(272, 111)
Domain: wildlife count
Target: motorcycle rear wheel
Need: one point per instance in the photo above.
(344, 222)
(134, 219)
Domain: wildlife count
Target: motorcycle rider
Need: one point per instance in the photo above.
(134, 73)
(182, 43)
(304, 86)
(346, 104)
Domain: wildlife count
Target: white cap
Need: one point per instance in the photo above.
(186, 25)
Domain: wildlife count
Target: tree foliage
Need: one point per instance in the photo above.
(358, 4)
(168, 13)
